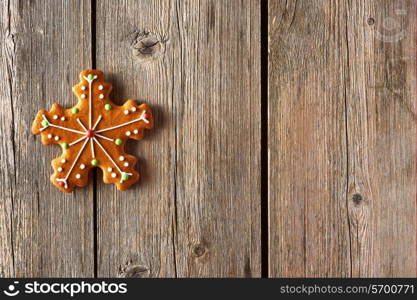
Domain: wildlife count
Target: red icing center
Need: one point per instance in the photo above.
(90, 133)
(61, 183)
(146, 116)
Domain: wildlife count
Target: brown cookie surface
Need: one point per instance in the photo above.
(92, 134)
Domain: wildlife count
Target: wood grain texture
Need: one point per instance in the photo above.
(341, 139)
(196, 211)
(381, 122)
(43, 232)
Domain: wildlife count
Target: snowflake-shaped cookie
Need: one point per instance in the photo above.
(92, 134)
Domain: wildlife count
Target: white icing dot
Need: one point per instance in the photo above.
(126, 164)
(62, 118)
(135, 131)
(133, 109)
(113, 175)
(128, 133)
(83, 88)
(101, 96)
(60, 169)
(78, 176)
(57, 138)
(63, 160)
(49, 136)
(100, 87)
(55, 117)
(109, 169)
(126, 112)
(82, 166)
(83, 96)
(121, 158)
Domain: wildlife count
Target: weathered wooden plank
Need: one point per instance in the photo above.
(342, 140)
(43, 232)
(196, 211)
(307, 140)
(381, 123)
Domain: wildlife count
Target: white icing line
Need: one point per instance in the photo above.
(127, 123)
(108, 155)
(92, 149)
(90, 98)
(142, 118)
(77, 141)
(75, 161)
(104, 137)
(68, 129)
(64, 181)
(61, 127)
(98, 120)
(81, 123)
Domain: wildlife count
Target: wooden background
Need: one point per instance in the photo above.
(284, 145)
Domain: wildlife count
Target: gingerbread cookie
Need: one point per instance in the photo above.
(92, 134)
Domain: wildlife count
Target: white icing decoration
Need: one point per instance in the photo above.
(57, 138)
(64, 181)
(135, 131)
(126, 164)
(83, 96)
(114, 175)
(63, 160)
(101, 96)
(83, 88)
(92, 149)
(79, 140)
(82, 166)
(62, 118)
(55, 117)
(133, 109)
(49, 136)
(82, 125)
(128, 133)
(98, 121)
(141, 118)
(109, 169)
(121, 158)
(108, 155)
(61, 127)
(100, 87)
(104, 137)
(126, 112)
(90, 102)
(60, 169)
(78, 176)
(76, 159)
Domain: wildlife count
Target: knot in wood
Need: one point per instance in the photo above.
(357, 199)
(146, 46)
(199, 250)
(135, 271)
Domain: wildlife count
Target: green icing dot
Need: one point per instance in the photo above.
(107, 106)
(95, 162)
(125, 176)
(90, 77)
(118, 142)
(75, 110)
(65, 146)
(45, 123)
